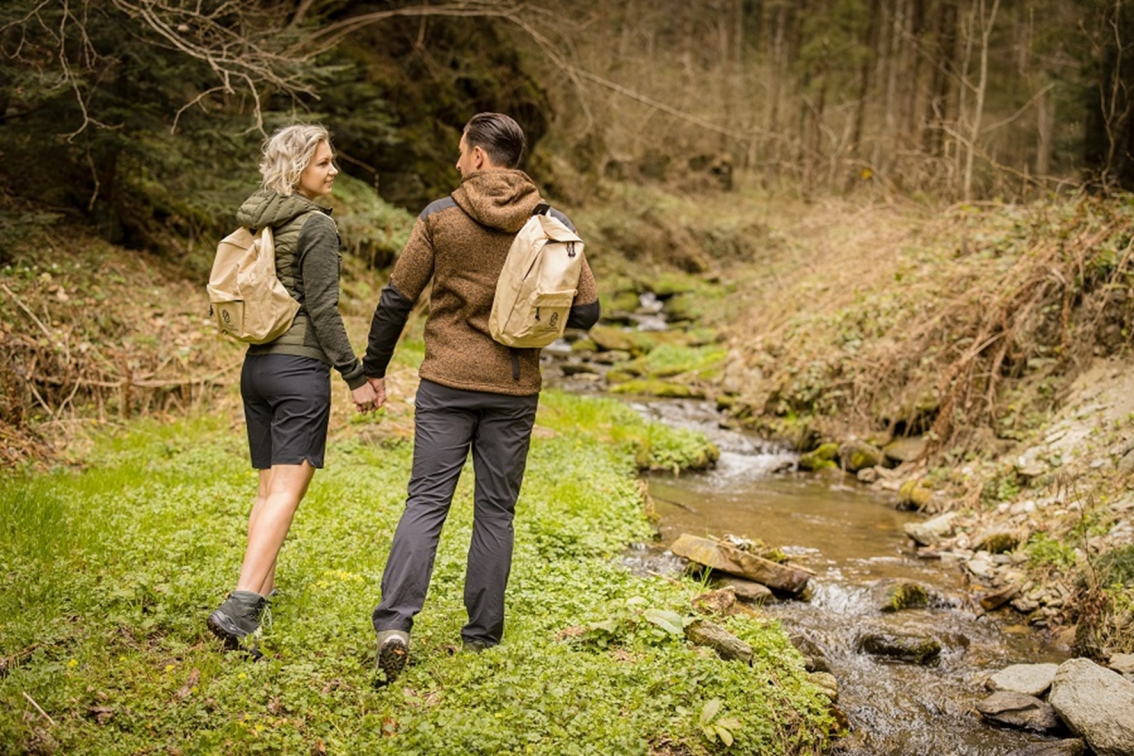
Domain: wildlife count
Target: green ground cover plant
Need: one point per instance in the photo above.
(113, 566)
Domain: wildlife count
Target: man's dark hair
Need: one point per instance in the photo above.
(499, 136)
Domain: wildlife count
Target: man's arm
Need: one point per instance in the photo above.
(408, 280)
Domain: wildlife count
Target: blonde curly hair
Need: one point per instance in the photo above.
(287, 153)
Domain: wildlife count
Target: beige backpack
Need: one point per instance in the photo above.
(246, 298)
(538, 283)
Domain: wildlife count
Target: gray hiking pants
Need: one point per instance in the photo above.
(447, 423)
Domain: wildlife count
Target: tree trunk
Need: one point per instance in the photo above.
(985, 26)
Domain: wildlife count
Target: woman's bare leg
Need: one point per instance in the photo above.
(280, 490)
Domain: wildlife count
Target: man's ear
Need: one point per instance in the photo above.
(480, 158)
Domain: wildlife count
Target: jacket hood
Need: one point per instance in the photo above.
(501, 198)
(267, 207)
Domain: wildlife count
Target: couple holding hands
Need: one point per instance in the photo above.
(475, 394)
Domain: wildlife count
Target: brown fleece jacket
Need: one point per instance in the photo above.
(460, 243)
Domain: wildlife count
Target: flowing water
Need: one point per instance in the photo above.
(851, 538)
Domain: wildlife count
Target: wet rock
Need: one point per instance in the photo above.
(914, 495)
(727, 558)
(1069, 747)
(813, 658)
(931, 532)
(826, 683)
(896, 595)
(1097, 704)
(717, 602)
(996, 599)
(727, 645)
(917, 649)
(577, 368)
(858, 455)
(1029, 679)
(1018, 710)
(825, 456)
(747, 590)
(905, 449)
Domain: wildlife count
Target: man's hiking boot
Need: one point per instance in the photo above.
(238, 618)
(393, 652)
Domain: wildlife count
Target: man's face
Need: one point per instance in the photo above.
(468, 158)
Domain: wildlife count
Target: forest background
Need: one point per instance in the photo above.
(877, 218)
(897, 216)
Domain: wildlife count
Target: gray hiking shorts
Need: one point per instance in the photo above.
(287, 406)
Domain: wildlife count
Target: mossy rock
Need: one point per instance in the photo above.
(621, 375)
(664, 389)
(896, 595)
(686, 306)
(584, 344)
(623, 301)
(670, 284)
(914, 495)
(917, 649)
(859, 455)
(616, 339)
(999, 542)
(826, 456)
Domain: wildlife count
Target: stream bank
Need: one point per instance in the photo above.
(853, 541)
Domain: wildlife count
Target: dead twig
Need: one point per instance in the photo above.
(39, 709)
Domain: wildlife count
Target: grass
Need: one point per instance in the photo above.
(112, 570)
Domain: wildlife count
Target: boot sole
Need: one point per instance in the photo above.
(392, 658)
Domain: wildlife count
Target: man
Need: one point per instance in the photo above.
(475, 394)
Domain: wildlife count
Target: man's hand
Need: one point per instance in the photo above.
(379, 386)
(365, 399)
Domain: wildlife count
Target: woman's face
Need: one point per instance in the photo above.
(318, 177)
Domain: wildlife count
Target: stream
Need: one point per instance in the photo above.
(850, 537)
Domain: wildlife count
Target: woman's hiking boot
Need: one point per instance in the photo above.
(238, 618)
(393, 652)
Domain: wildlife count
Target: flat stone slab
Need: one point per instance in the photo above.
(1029, 679)
(726, 558)
(1018, 710)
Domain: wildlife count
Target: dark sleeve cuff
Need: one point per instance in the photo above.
(584, 315)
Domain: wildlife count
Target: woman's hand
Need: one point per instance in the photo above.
(365, 398)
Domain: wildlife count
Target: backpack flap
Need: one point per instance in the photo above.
(537, 285)
(248, 301)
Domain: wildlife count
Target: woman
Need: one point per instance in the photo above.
(285, 384)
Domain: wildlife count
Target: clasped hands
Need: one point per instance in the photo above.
(370, 396)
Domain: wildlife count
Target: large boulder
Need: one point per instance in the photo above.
(1029, 679)
(1097, 704)
(1018, 710)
